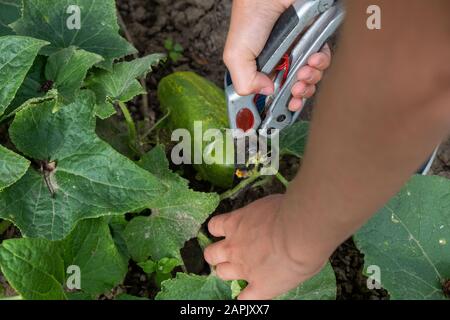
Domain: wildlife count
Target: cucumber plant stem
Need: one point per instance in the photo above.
(203, 240)
(282, 179)
(245, 183)
(144, 107)
(132, 132)
(156, 125)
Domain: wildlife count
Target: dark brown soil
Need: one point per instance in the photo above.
(441, 166)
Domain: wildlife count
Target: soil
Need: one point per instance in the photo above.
(441, 166)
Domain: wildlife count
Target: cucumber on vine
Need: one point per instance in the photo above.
(188, 98)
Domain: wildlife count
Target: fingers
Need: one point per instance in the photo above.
(216, 225)
(302, 90)
(309, 75)
(229, 271)
(295, 104)
(217, 253)
(322, 60)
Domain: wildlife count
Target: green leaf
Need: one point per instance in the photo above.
(98, 32)
(92, 248)
(12, 167)
(90, 180)
(162, 269)
(168, 44)
(36, 268)
(17, 56)
(166, 265)
(320, 287)
(9, 12)
(105, 111)
(178, 48)
(194, 287)
(294, 138)
(120, 84)
(32, 85)
(236, 287)
(409, 239)
(149, 266)
(176, 217)
(175, 56)
(117, 225)
(67, 68)
(50, 97)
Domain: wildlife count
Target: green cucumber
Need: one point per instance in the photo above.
(188, 97)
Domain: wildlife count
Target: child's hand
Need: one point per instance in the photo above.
(251, 24)
(309, 76)
(255, 250)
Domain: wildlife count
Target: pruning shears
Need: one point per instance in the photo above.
(301, 31)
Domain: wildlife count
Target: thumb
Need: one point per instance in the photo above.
(246, 78)
(251, 24)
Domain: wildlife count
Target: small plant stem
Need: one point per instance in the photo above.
(156, 125)
(4, 225)
(203, 240)
(282, 179)
(132, 133)
(245, 183)
(144, 107)
(262, 182)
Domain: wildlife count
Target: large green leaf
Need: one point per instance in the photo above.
(194, 287)
(98, 32)
(92, 248)
(409, 239)
(67, 68)
(320, 287)
(294, 138)
(12, 167)
(32, 86)
(17, 56)
(176, 217)
(9, 12)
(90, 180)
(36, 268)
(120, 84)
(117, 225)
